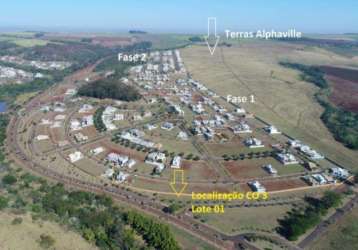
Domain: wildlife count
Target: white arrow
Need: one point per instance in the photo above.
(212, 33)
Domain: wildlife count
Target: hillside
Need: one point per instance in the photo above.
(15, 227)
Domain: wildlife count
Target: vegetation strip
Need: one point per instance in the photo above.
(341, 123)
(299, 221)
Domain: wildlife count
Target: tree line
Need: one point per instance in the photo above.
(95, 217)
(299, 221)
(97, 120)
(341, 123)
(157, 234)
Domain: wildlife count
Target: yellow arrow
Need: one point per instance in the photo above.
(178, 187)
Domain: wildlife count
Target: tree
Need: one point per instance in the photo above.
(196, 158)
(331, 199)
(156, 234)
(3, 202)
(46, 241)
(189, 156)
(9, 179)
(89, 235)
(173, 208)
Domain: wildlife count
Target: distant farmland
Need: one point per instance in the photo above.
(345, 87)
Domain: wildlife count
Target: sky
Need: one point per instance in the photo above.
(184, 16)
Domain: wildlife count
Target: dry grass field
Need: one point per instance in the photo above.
(235, 220)
(26, 235)
(189, 242)
(281, 97)
(342, 235)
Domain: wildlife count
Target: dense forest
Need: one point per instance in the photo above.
(341, 123)
(109, 88)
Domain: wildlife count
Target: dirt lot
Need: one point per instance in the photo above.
(116, 148)
(245, 169)
(283, 184)
(198, 170)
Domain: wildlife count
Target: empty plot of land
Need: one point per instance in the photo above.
(276, 185)
(198, 170)
(246, 169)
(27, 234)
(116, 148)
(247, 218)
(90, 167)
(229, 148)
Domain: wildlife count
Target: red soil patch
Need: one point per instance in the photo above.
(345, 87)
(242, 170)
(343, 73)
(205, 172)
(283, 184)
(122, 150)
(345, 93)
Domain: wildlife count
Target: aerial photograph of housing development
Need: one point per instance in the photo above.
(167, 125)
